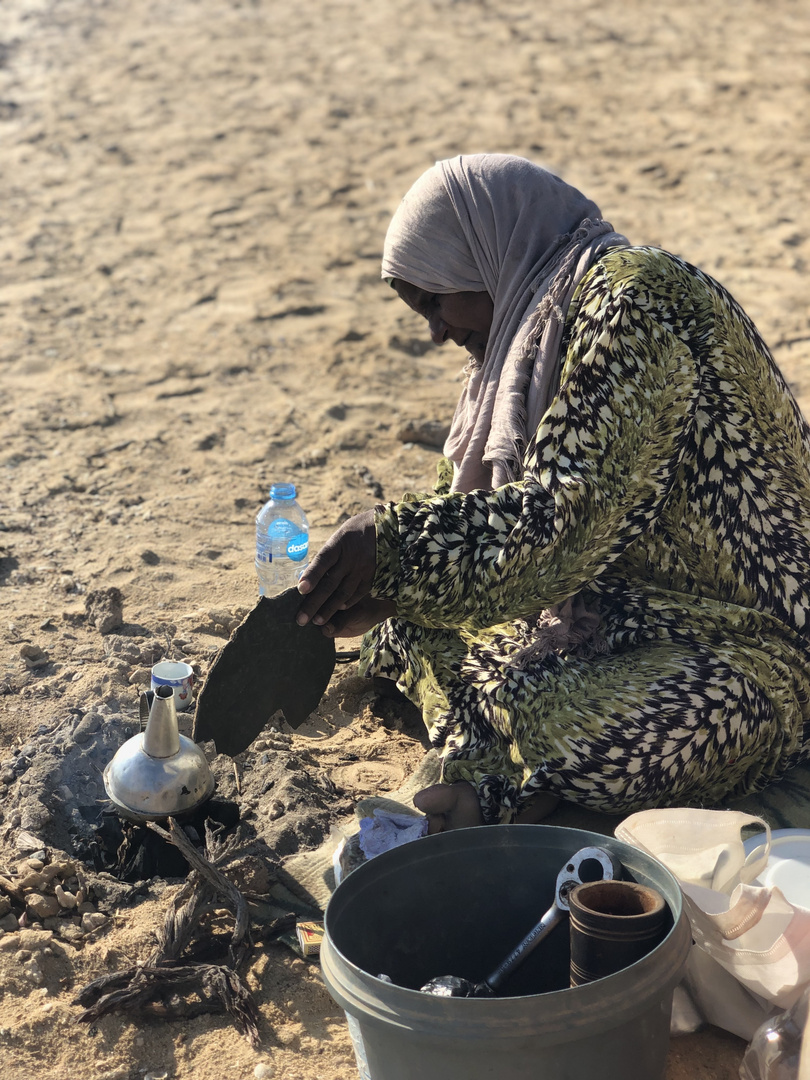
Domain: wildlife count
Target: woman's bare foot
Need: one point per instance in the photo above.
(538, 807)
(449, 806)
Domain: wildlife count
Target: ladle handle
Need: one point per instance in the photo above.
(537, 934)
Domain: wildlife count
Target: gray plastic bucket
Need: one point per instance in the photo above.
(455, 904)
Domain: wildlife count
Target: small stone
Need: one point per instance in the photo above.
(35, 864)
(86, 908)
(34, 816)
(33, 655)
(85, 728)
(70, 933)
(140, 676)
(5, 905)
(32, 881)
(34, 972)
(275, 810)
(43, 907)
(263, 1071)
(93, 920)
(66, 899)
(21, 955)
(34, 940)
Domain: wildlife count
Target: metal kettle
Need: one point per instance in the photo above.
(159, 772)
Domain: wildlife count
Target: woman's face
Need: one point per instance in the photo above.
(462, 317)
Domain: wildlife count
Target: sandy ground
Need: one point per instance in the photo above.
(193, 197)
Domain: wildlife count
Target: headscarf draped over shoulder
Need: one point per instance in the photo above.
(499, 224)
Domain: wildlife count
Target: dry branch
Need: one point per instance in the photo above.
(218, 987)
(219, 883)
(158, 985)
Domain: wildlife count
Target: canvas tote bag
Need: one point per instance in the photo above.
(751, 953)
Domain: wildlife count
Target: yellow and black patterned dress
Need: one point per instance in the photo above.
(669, 485)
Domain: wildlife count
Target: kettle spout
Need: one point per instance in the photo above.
(162, 736)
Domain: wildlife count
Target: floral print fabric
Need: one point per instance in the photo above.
(669, 484)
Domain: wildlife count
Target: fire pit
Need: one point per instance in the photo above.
(70, 861)
(69, 854)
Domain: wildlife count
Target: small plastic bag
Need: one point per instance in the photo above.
(775, 1051)
(347, 854)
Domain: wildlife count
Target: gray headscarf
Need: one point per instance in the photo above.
(500, 224)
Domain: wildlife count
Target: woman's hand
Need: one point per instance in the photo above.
(342, 572)
(360, 617)
(449, 806)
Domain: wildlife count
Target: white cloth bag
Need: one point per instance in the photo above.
(751, 952)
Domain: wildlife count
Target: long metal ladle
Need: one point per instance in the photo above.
(567, 879)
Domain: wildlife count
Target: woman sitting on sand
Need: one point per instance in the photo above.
(607, 601)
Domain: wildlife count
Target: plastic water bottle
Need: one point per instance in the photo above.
(775, 1051)
(282, 541)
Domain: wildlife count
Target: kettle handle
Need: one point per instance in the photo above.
(144, 705)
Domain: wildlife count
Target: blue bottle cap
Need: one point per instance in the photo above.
(282, 491)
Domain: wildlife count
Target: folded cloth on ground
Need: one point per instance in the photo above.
(383, 831)
(311, 874)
